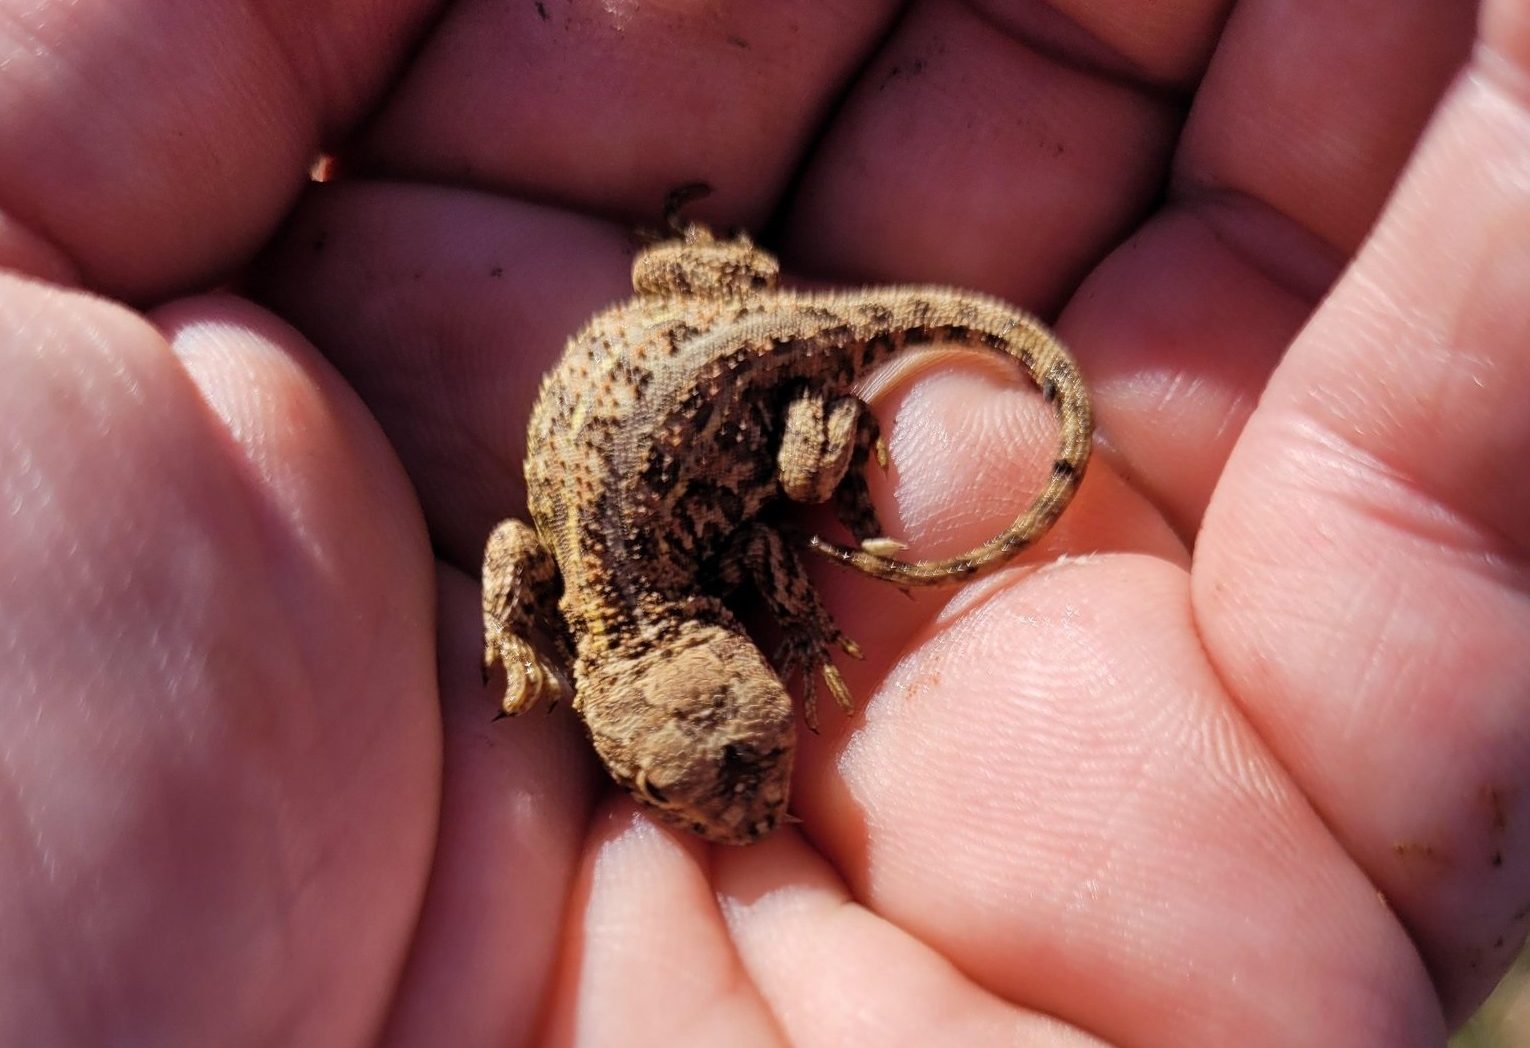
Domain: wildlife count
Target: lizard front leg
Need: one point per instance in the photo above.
(809, 632)
(520, 590)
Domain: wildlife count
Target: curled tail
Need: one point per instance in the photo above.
(896, 318)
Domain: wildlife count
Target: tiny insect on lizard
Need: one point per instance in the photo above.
(671, 422)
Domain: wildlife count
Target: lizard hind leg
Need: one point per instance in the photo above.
(809, 632)
(852, 499)
(825, 445)
(520, 592)
(818, 444)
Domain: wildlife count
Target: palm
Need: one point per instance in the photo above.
(1153, 799)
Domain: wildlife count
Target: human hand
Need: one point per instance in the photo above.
(1157, 792)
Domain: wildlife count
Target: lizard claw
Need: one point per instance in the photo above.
(528, 676)
(882, 546)
(837, 687)
(810, 702)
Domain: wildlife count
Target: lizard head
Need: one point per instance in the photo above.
(699, 264)
(702, 731)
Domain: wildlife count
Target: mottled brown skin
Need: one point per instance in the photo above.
(671, 422)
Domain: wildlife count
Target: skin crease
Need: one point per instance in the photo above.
(1242, 740)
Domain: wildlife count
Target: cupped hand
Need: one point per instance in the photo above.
(1236, 755)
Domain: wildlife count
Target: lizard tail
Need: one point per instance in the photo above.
(963, 318)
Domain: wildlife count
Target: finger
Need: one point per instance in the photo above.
(835, 974)
(444, 308)
(991, 148)
(606, 108)
(646, 959)
(219, 775)
(970, 446)
(1361, 582)
(971, 442)
(1294, 139)
(1051, 789)
(514, 808)
(156, 147)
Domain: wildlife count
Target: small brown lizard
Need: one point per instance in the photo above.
(671, 422)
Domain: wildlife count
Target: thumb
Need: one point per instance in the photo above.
(1361, 582)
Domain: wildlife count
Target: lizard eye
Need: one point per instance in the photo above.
(647, 790)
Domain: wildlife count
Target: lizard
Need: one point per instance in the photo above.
(671, 422)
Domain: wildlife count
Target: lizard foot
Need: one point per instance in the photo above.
(520, 597)
(529, 676)
(808, 657)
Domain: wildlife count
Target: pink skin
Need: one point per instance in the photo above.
(251, 790)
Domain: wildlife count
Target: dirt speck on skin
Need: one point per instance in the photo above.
(913, 69)
(1416, 850)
